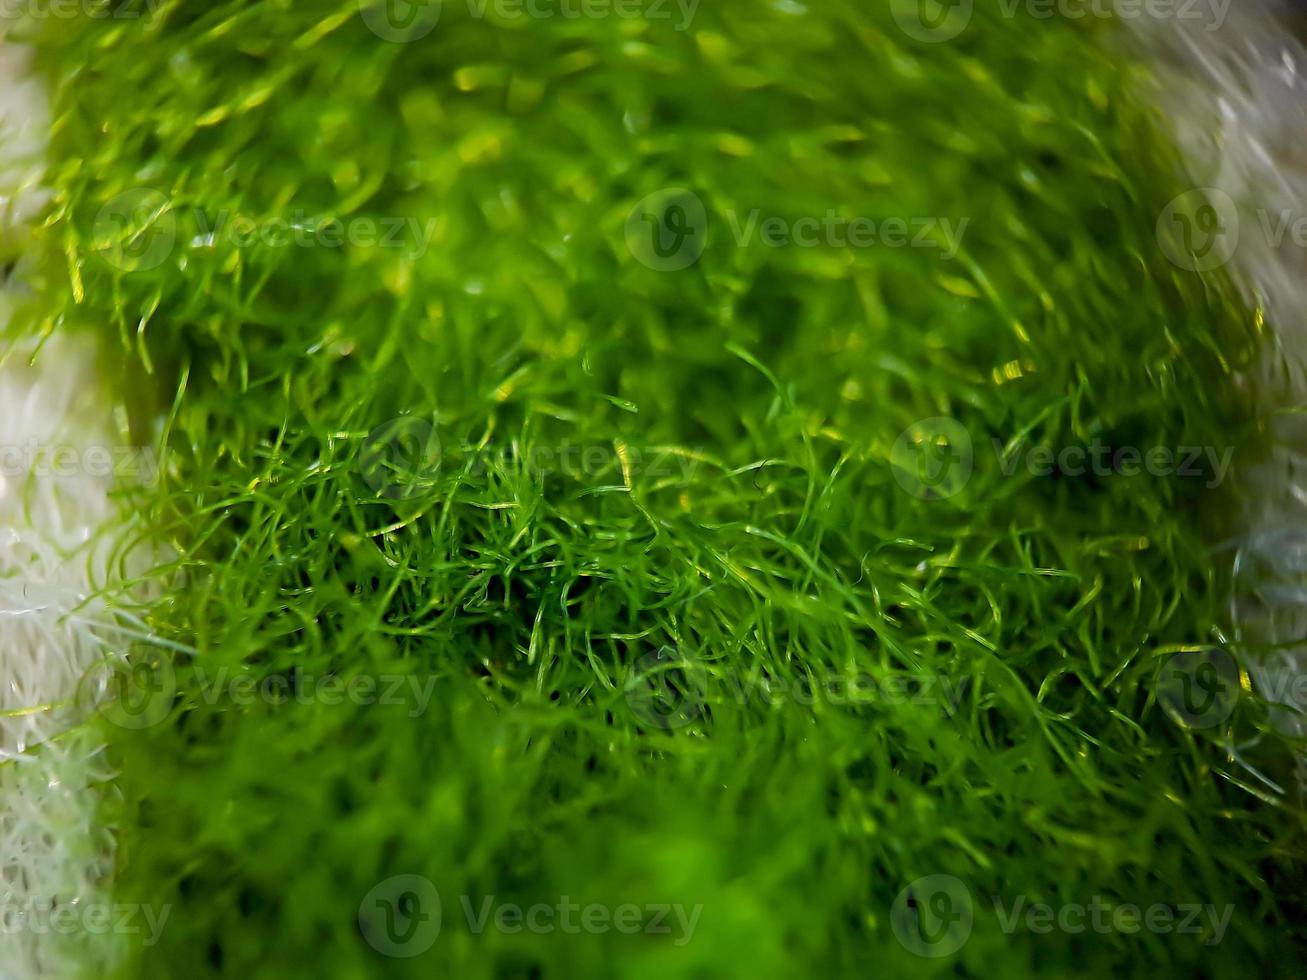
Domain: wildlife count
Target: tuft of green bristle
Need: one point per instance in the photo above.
(670, 619)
